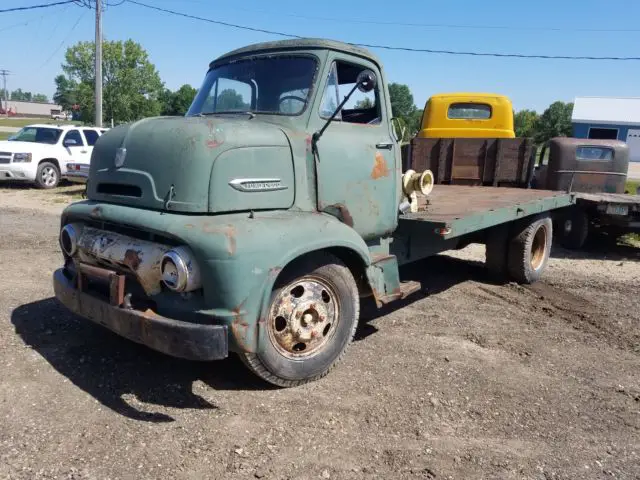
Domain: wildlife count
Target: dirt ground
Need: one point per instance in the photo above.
(466, 380)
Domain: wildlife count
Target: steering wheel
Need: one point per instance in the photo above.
(292, 97)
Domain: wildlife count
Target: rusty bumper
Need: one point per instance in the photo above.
(176, 338)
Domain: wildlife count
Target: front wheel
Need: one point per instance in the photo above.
(313, 315)
(47, 175)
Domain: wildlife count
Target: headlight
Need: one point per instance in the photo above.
(69, 238)
(21, 157)
(180, 272)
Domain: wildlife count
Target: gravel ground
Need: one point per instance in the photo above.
(469, 380)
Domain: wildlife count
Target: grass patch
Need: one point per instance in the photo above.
(631, 186)
(4, 135)
(21, 122)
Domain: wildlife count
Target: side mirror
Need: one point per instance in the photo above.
(366, 81)
(70, 142)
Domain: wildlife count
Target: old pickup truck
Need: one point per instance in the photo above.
(596, 171)
(261, 221)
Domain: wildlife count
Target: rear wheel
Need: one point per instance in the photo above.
(529, 250)
(574, 228)
(313, 315)
(47, 175)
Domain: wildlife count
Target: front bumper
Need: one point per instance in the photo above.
(191, 341)
(17, 171)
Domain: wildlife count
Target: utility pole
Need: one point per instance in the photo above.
(98, 66)
(4, 74)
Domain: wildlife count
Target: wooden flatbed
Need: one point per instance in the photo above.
(455, 210)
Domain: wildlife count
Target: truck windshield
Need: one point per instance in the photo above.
(37, 135)
(277, 85)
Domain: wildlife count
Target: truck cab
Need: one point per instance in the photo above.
(265, 218)
(467, 115)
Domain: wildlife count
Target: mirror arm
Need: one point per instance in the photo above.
(316, 136)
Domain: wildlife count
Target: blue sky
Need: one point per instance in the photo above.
(181, 48)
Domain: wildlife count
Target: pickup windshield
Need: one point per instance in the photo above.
(38, 135)
(277, 85)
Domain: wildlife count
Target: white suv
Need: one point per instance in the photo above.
(40, 153)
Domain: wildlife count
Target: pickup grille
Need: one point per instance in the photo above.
(5, 157)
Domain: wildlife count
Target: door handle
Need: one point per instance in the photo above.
(385, 145)
(83, 151)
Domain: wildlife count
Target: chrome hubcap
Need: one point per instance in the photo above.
(303, 317)
(49, 176)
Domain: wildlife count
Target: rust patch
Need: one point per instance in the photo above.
(275, 271)
(341, 212)
(228, 231)
(240, 329)
(380, 168)
(96, 212)
(132, 259)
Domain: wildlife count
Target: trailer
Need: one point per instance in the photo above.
(261, 226)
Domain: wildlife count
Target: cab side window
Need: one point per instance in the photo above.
(91, 136)
(362, 108)
(71, 137)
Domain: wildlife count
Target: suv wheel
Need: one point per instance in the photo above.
(47, 176)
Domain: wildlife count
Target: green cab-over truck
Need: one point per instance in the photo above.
(262, 220)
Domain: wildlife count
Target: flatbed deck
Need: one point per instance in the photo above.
(618, 198)
(455, 210)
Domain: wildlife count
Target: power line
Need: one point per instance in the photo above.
(435, 25)
(194, 17)
(63, 41)
(387, 47)
(33, 7)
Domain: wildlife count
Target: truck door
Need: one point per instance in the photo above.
(358, 178)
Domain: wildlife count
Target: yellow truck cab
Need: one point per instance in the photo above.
(467, 115)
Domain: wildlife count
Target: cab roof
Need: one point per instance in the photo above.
(301, 44)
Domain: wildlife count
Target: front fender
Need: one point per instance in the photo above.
(273, 241)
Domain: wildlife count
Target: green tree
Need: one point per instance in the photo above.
(554, 122)
(66, 92)
(403, 107)
(20, 96)
(364, 103)
(131, 83)
(177, 103)
(525, 123)
(401, 100)
(40, 97)
(229, 99)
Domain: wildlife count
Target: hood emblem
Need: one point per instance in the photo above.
(257, 184)
(121, 154)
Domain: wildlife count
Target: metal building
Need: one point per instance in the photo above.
(610, 118)
(32, 109)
